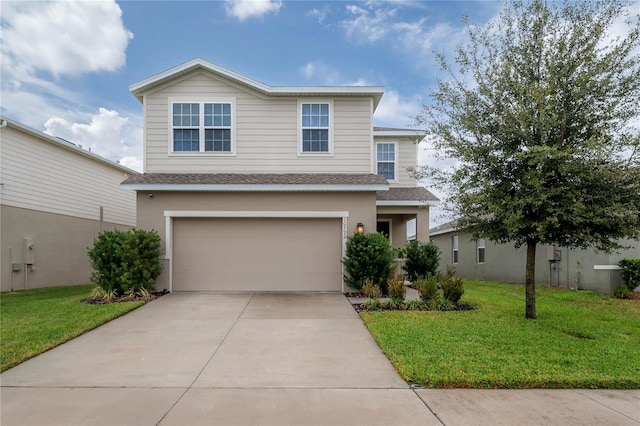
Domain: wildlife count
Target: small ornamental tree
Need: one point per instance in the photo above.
(540, 110)
(125, 262)
(421, 260)
(368, 257)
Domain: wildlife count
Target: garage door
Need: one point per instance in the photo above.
(257, 254)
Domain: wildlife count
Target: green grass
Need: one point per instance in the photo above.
(34, 321)
(580, 340)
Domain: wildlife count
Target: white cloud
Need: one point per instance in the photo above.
(321, 73)
(367, 24)
(319, 14)
(396, 111)
(45, 41)
(63, 37)
(106, 134)
(245, 9)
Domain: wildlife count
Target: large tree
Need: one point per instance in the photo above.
(541, 108)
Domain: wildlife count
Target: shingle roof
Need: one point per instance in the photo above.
(406, 194)
(444, 228)
(235, 179)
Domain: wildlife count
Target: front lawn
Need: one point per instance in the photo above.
(34, 321)
(580, 340)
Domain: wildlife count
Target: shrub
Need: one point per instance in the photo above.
(396, 288)
(371, 290)
(368, 256)
(630, 272)
(440, 303)
(125, 262)
(427, 287)
(422, 259)
(452, 288)
(621, 291)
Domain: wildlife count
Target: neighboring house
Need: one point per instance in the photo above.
(555, 266)
(54, 199)
(257, 187)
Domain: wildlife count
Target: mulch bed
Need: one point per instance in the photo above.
(361, 307)
(136, 298)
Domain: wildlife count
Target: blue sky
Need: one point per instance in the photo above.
(67, 66)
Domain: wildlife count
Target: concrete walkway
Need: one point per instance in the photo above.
(271, 359)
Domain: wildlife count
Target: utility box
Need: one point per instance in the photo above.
(16, 267)
(551, 253)
(29, 252)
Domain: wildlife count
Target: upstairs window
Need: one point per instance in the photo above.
(202, 127)
(386, 160)
(315, 127)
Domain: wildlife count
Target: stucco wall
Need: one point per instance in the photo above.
(60, 247)
(360, 205)
(503, 262)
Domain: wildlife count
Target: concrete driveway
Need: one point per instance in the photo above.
(273, 359)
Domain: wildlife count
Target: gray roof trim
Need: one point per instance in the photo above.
(255, 182)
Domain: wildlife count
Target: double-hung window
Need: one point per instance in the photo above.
(315, 125)
(386, 160)
(202, 127)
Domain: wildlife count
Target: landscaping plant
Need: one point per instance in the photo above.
(125, 262)
(630, 272)
(368, 257)
(421, 259)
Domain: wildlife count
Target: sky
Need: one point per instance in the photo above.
(66, 66)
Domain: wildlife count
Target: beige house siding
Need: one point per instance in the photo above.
(505, 263)
(266, 131)
(40, 175)
(408, 157)
(361, 207)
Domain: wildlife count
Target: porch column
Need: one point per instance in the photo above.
(422, 224)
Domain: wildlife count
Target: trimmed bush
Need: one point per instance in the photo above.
(368, 257)
(422, 260)
(452, 288)
(427, 287)
(630, 272)
(125, 262)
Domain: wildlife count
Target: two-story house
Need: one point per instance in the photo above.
(256, 188)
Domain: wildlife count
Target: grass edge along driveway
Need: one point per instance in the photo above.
(581, 339)
(34, 321)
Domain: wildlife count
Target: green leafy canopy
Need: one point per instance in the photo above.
(539, 110)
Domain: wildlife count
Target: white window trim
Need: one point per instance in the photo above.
(395, 161)
(478, 247)
(202, 152)
(302, 153)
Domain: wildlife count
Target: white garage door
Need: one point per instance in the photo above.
(257, 254)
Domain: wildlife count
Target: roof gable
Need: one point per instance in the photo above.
(140, 88)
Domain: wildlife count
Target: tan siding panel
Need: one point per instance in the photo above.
(266, 132)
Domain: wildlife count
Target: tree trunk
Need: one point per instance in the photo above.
(530, 281)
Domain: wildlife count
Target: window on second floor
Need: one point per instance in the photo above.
(202, 127)
(315, 126)
(386, 160)
(454, 251)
